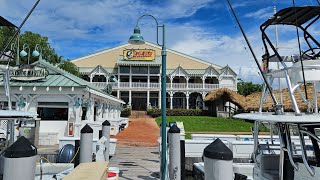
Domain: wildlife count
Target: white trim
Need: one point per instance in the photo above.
(210, 69)
(150, 44)
(105, 96)
(100, 52)
(185, 55)
(179, 71)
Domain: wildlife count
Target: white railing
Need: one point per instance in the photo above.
(139, 85)
(195, 86)
(211, 86)
(124, 84)
(100, 84)
(155, 85)
(207, 87)
(179, 86)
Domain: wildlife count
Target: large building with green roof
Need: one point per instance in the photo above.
(134, 71)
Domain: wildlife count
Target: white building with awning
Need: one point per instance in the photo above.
(64, 103)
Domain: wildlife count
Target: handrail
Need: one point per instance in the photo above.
(304, 154)
(157, 85)
(289, 148)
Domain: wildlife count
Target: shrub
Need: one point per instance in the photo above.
(155, 112)
(126, 112)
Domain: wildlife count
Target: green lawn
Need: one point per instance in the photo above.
(210, 124)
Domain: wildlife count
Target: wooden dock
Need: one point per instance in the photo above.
(136, 162)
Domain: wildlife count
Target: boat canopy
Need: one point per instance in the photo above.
(296, 16)
(290, 118)
(4, 22)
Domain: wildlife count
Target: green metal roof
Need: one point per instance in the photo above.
(88, 70)
(51, 80)
(57, 78)
(189, 71)
(195, 71)
(156, 62)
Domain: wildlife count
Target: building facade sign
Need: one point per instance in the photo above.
(28, 74)
(139, 54)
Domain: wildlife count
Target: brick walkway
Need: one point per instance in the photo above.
(137, 155)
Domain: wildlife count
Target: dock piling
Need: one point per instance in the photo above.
(106, 134)
(20, 160)
(174, 153)
(218, 160)
(86, 141)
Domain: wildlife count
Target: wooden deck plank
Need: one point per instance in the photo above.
(136, 162)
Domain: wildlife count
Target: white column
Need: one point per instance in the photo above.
(187, 79)
(148, 99)
(203, 82)
(91, 77)
(104, 111)
(130, 96)
(90, 110)
(118, 94)
(187, 98)
(130, 80)
(108, 110)
(159, 100)
(171, 79)
(26, 99)
(148, 81)
(171, 100)
(119, 77)
(99, 112)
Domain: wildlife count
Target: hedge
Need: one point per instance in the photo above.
(155, 112)
(126, 112)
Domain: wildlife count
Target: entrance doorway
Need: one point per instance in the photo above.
(139, 101)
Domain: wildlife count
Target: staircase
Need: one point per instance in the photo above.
(138, 114)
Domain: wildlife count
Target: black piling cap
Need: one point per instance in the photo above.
(21, 148)
(106, 123)
(86, 129)
(174, 129)
(218, 150)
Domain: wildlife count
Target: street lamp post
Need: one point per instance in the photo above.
(136, 38)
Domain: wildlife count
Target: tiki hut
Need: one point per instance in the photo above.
(223, 102)
(252, 101)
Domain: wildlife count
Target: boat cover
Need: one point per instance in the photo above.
(294, 16)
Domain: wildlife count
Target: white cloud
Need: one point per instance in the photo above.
(263, 13)
(82, 27)
(220, 49)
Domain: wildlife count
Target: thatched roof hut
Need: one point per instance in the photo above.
(226, 95)
(253, 100)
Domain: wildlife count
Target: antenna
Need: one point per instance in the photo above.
(254, 56)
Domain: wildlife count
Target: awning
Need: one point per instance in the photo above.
(105, 96)
(13, 114)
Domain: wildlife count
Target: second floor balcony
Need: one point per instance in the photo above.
(170, 86)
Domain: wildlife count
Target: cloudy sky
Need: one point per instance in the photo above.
(201, 28)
